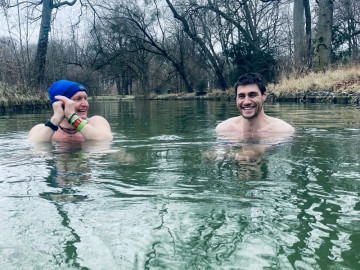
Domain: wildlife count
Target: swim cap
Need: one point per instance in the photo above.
(64, 88)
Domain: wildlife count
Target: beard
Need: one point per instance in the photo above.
(257, 109)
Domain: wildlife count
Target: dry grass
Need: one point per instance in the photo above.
(112, 97)
(11, 96)
(219, 94)
(344, 79)
(173, 96)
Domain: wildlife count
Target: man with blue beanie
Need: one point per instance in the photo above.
(64, 88)
(70, 121)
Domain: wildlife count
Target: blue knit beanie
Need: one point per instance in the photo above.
(64, 88)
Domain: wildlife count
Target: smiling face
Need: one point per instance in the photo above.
(249, 100)
(81, 104)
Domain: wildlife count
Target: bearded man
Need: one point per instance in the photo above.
(251, 94)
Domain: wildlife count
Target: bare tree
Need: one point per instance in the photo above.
(255, 35)
(18, 28)
(192, 34)
(146, 31)
(308, 38)
(322, 53)
(346, 28)
(156, 46)
(299, 33)
(160, 46)
(40, 59)
(34, 56)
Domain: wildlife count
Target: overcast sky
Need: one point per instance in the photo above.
(61, 28)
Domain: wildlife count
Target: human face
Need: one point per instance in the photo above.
(81, 103)
(249, 100)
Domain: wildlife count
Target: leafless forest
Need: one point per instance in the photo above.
(140, 47)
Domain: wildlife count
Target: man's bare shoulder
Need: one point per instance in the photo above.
(35, 129)
(97, 120)
(228, 125)
(272, 125)
(279, 125)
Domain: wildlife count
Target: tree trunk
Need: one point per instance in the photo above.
(322, 53)
(144, 89)
(40, 58)
(180, 65)
(299, 34)
(308, 50)
(125, 83)
(118, 85)
(250, 23)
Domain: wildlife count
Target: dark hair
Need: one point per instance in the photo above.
(251, 78)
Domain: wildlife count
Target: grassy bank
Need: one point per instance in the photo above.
(14, 98)
(341, 85)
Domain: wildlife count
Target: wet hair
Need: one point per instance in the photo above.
(251, 78)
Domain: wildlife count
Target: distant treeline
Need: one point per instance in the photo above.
(160, 46)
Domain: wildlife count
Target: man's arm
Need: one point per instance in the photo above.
(42, 133)
(98, 128)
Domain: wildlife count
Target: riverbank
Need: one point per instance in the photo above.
(341, 85)
(17, 98)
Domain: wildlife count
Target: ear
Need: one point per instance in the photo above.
(263, 96)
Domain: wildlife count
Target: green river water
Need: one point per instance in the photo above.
(169, 193)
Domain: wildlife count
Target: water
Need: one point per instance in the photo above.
(168, 193)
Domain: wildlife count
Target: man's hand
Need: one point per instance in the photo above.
(68, 105)
(58, 113)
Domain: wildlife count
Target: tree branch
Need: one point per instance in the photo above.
(230, 19)
(59, 4)
(28, 3)
(355, 33)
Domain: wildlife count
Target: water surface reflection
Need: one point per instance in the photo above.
(168, 193)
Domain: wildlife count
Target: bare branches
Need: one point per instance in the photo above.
(355, 33)
(211, 58)
(229, 18)
(145, 41)
(60, 3)
(25, 3)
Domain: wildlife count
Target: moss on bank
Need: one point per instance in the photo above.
(15, 98)
(341, 85)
